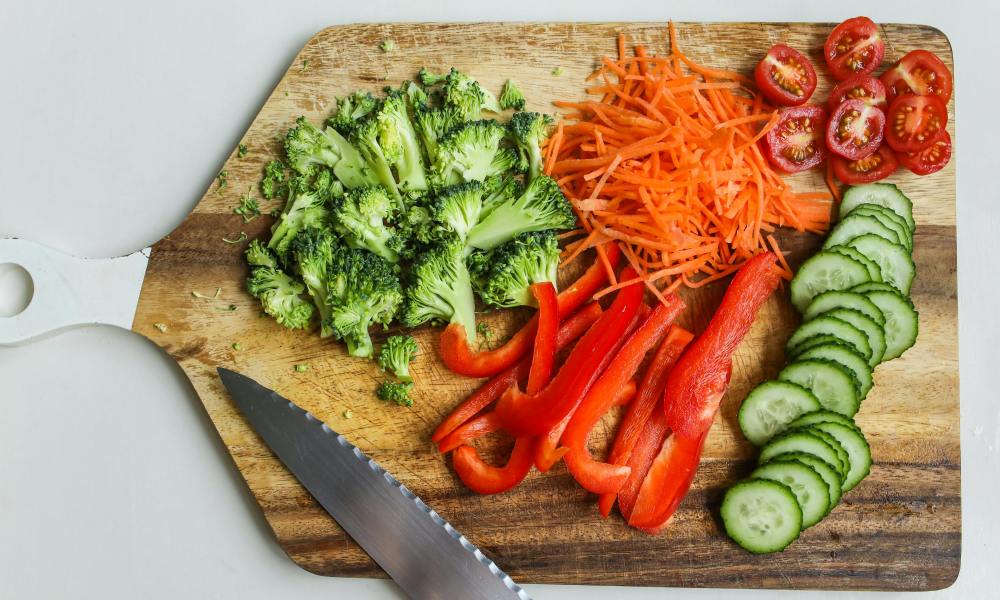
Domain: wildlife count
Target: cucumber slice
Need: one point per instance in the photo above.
(874, 271)
(769, 408)
(873, 286)
(844, 459)
(894, 260)
(816, 340)
(761, 515)
(809, 488)
(854, 225)
(874, 331)
(842, 330)
(832, 300)
(832, 384)
(822, 416)
(901, 322)
(880, 194)
(858, 451)
(825, 271)
(846, 357)
(830, 475)
(890, 220)
(816, 443)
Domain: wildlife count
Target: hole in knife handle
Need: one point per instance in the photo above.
(17, 289)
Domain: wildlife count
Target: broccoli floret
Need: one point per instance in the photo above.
(350, 110)
(414, 229)
(362, 290)
(511, 96)
(279, 294)
(529, 131)
(434, 123)
(398, 140)
(313, 252)
(541, 206)
(307, 147)
(396, 354)
(415, 94)
(273, 183)
(455, 210)
(399, 393)
(366, 138)
(503, 276)
(441, 289)
(361, 217)
(259, 256)
(463, 92)
(306, 207)
(471, 152)
(497, 190)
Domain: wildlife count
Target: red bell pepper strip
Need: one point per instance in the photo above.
(672, 472)
(484, 478)
(475, 427)
(634, 424)
(601, 477)
(476, 474)
(625, 394)
(667, 482)
(571, 329)
(460, 358)
(641, 458)
(543, 355)
(689, 406)
(547, 450)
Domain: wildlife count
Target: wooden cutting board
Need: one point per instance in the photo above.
(900, 529)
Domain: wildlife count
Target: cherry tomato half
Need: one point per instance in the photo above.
(921, 73)
(929, 160)
(796, 142)
(785, 76)
(862, 87)
(874, 167)
(915, 122)
(855, 47)
(855, 129)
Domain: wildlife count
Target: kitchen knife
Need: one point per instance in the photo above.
(421, 551)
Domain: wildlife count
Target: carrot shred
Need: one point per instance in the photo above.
(665, 163)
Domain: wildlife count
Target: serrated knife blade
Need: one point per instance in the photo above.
(421, 551)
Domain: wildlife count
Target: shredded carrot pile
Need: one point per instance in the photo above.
(667, 164)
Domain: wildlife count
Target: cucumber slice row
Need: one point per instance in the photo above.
(841, 330)
(831, 300)
(880, 194)
(872, 330)
(855, 225)
(890, 220)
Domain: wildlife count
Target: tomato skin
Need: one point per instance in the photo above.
(874, 167)
(866, 88)
(920, 73)
(855, 129)
(785, 76)
(796, 142)
(854, 47)
(929, 160)
(915, 122)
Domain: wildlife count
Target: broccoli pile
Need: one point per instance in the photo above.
(402, 208)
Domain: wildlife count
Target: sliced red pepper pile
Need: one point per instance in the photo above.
(654, 457)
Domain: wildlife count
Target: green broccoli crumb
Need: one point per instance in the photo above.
(387, 45)
(348, 414)
(396, 355)
(230, 308)
(161, 326)
(511, 96)
(399, 393)
(223, 179)
(558, 71)
(305, 64)
(301, 367)
(485, 335)
(237, 346)
(248, 208)
(241, 150)
(242, 237)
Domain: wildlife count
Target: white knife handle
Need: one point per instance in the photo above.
(71, 291)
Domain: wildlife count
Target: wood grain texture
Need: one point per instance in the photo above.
(899, 529)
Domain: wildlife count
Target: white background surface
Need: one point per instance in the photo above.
(115, 117)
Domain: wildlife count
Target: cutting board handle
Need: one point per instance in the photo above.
(70, 291)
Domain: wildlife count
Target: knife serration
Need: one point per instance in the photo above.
(417, 547)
